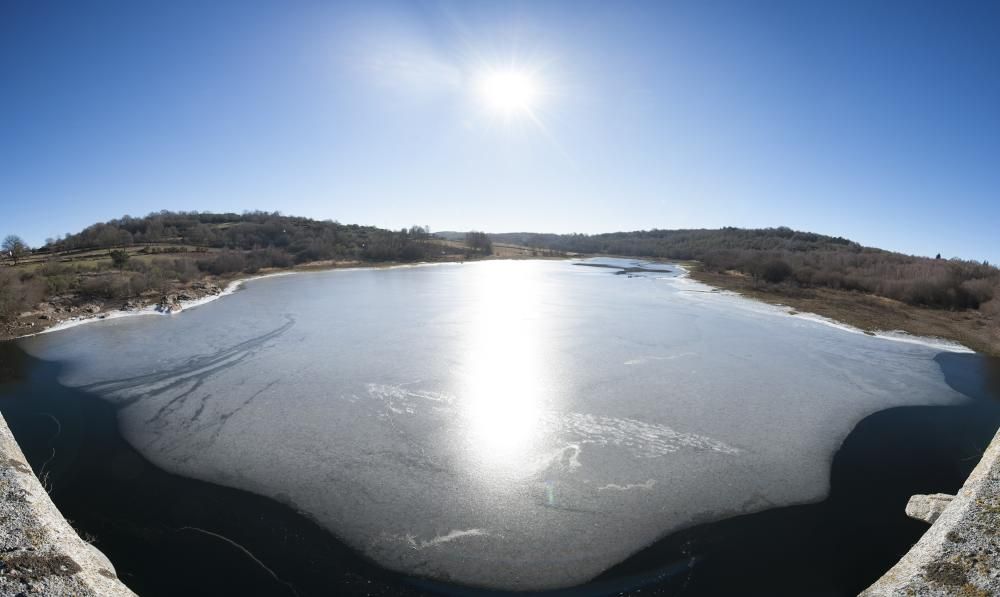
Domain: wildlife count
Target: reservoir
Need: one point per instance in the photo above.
(500, 425)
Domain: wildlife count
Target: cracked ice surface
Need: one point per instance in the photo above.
(509, 424)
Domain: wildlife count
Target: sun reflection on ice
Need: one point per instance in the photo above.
(503, 378)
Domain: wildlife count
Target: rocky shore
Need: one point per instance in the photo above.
(69, 309)
(74, 308)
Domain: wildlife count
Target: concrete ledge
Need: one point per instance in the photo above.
(960, 553)
(40, 553)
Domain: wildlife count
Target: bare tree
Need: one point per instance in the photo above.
(15, 247)
(479, 241)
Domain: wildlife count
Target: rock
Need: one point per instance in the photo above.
(131, 306)
(168, 304)
(44, 316)
(928, 507)
(91, 308)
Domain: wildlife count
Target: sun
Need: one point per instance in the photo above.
(509, 92)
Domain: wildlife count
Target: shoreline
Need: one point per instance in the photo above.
(780, 308)
(210, 292)
(965, 331)
(204, 290)
(782, 305)
(149, 309)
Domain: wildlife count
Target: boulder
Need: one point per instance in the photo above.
(928, 507)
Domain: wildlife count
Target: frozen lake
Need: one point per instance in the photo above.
(508, 424)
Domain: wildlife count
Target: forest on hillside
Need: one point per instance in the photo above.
(789, 258)
(298, 239)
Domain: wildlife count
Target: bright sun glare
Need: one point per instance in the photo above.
(509, 92)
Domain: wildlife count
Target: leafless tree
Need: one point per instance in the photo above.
(14, 247)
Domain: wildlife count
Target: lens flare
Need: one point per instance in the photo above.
(509, 92)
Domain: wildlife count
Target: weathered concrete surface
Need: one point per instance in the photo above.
(928, 508)
(40, 554)
(960, 554)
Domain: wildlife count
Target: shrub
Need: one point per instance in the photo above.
(226, 262)
(775, 271)
(979, 290)
(59, 283)
(18, 293)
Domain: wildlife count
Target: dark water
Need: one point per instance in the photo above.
(169, 535)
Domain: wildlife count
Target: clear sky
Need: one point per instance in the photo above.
(879, 121)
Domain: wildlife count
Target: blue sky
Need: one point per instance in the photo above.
(879, 121)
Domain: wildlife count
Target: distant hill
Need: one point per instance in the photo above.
(450, 235)
(681, 244)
